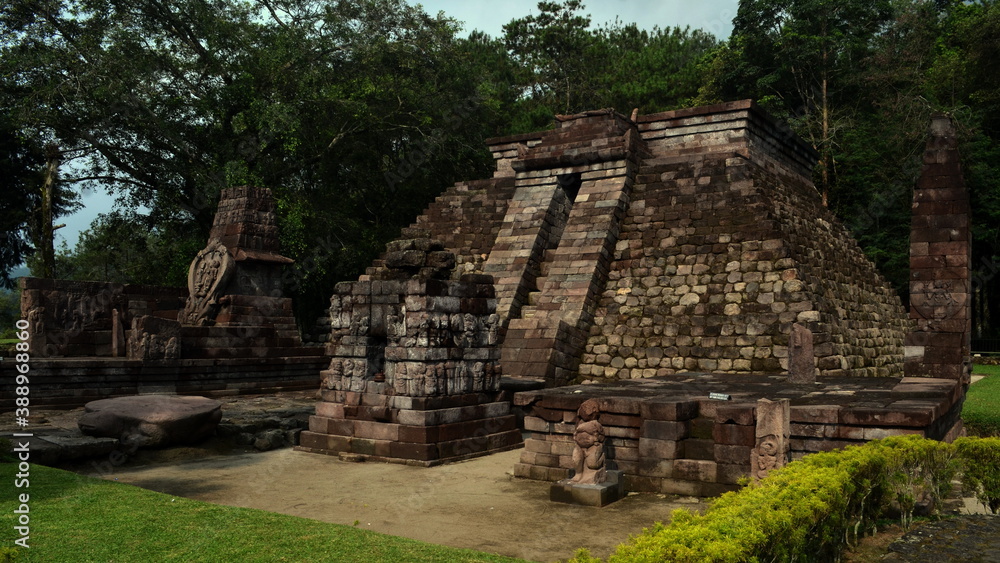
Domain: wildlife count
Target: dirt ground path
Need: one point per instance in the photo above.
(475, 504)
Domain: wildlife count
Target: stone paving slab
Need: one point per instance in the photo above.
(962, 539)
(854, 400)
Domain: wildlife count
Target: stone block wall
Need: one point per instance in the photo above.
(79, 318)
(717, 259)
(413, 376)
(689, 240)
(669, 436)
(73, 382)
(466, 219)
(940, 262)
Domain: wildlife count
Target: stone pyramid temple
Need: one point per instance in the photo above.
(689, 240)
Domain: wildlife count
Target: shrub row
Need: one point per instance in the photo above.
(812, 508)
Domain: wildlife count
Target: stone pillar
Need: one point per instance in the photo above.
(801, 359)
(117, 335)
(940, 259)
(773, 430)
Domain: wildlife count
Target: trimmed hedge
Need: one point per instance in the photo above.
(812, 508)
(982, 469)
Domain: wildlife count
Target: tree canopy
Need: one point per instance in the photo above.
(860, 81)
(358, 113)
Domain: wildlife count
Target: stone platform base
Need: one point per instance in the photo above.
(66, 383)
(598, 495)
(667, 435)
(423, 431)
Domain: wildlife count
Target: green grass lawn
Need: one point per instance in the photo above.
(979, 369)
(76, 518)
(981, 411)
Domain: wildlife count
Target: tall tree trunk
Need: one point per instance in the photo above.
(47, 241)
(567, 95)
(826, 148)
(825, 139)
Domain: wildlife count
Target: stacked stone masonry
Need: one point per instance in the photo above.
(690, 240)
(466, 219)
(940, 258)
(414, 376)
(668, 436)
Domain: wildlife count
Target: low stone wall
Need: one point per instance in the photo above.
(668, 436)
(80, 318)
(70, 383)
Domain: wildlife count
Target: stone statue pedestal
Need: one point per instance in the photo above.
(601, 494)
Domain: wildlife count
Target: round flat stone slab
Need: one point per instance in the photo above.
(152, 420)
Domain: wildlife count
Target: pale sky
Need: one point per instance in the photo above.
(714, 16)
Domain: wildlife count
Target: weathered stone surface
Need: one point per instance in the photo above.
(152, 420)
(588, 455)
(269, 440)
(801, 360)
(153, 338)
(630, 249)
(589, 494)
(50, 449)
(940, 262)
(960, 538)
(773, 432)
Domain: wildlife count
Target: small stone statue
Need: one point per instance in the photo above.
(588, 455)
(766, 457)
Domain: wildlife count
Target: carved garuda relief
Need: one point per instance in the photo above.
(208, 276)
(939, 300)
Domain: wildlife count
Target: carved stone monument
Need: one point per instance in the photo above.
(588, 455)
(592, 483)
(414, 375)
(773, 430)
(235, 306)
(152, 338)
(208, 277)
(240, 259)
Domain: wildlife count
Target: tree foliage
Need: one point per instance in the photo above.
(563, 65)
(799, 58)
(860, 81)
(357, 113)
(21, 181)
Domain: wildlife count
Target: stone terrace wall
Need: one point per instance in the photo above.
(695, 242)
(668, 436)
(77, 318)
(723, 248)
(857, 318)
(73, 382)
(466, 218)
